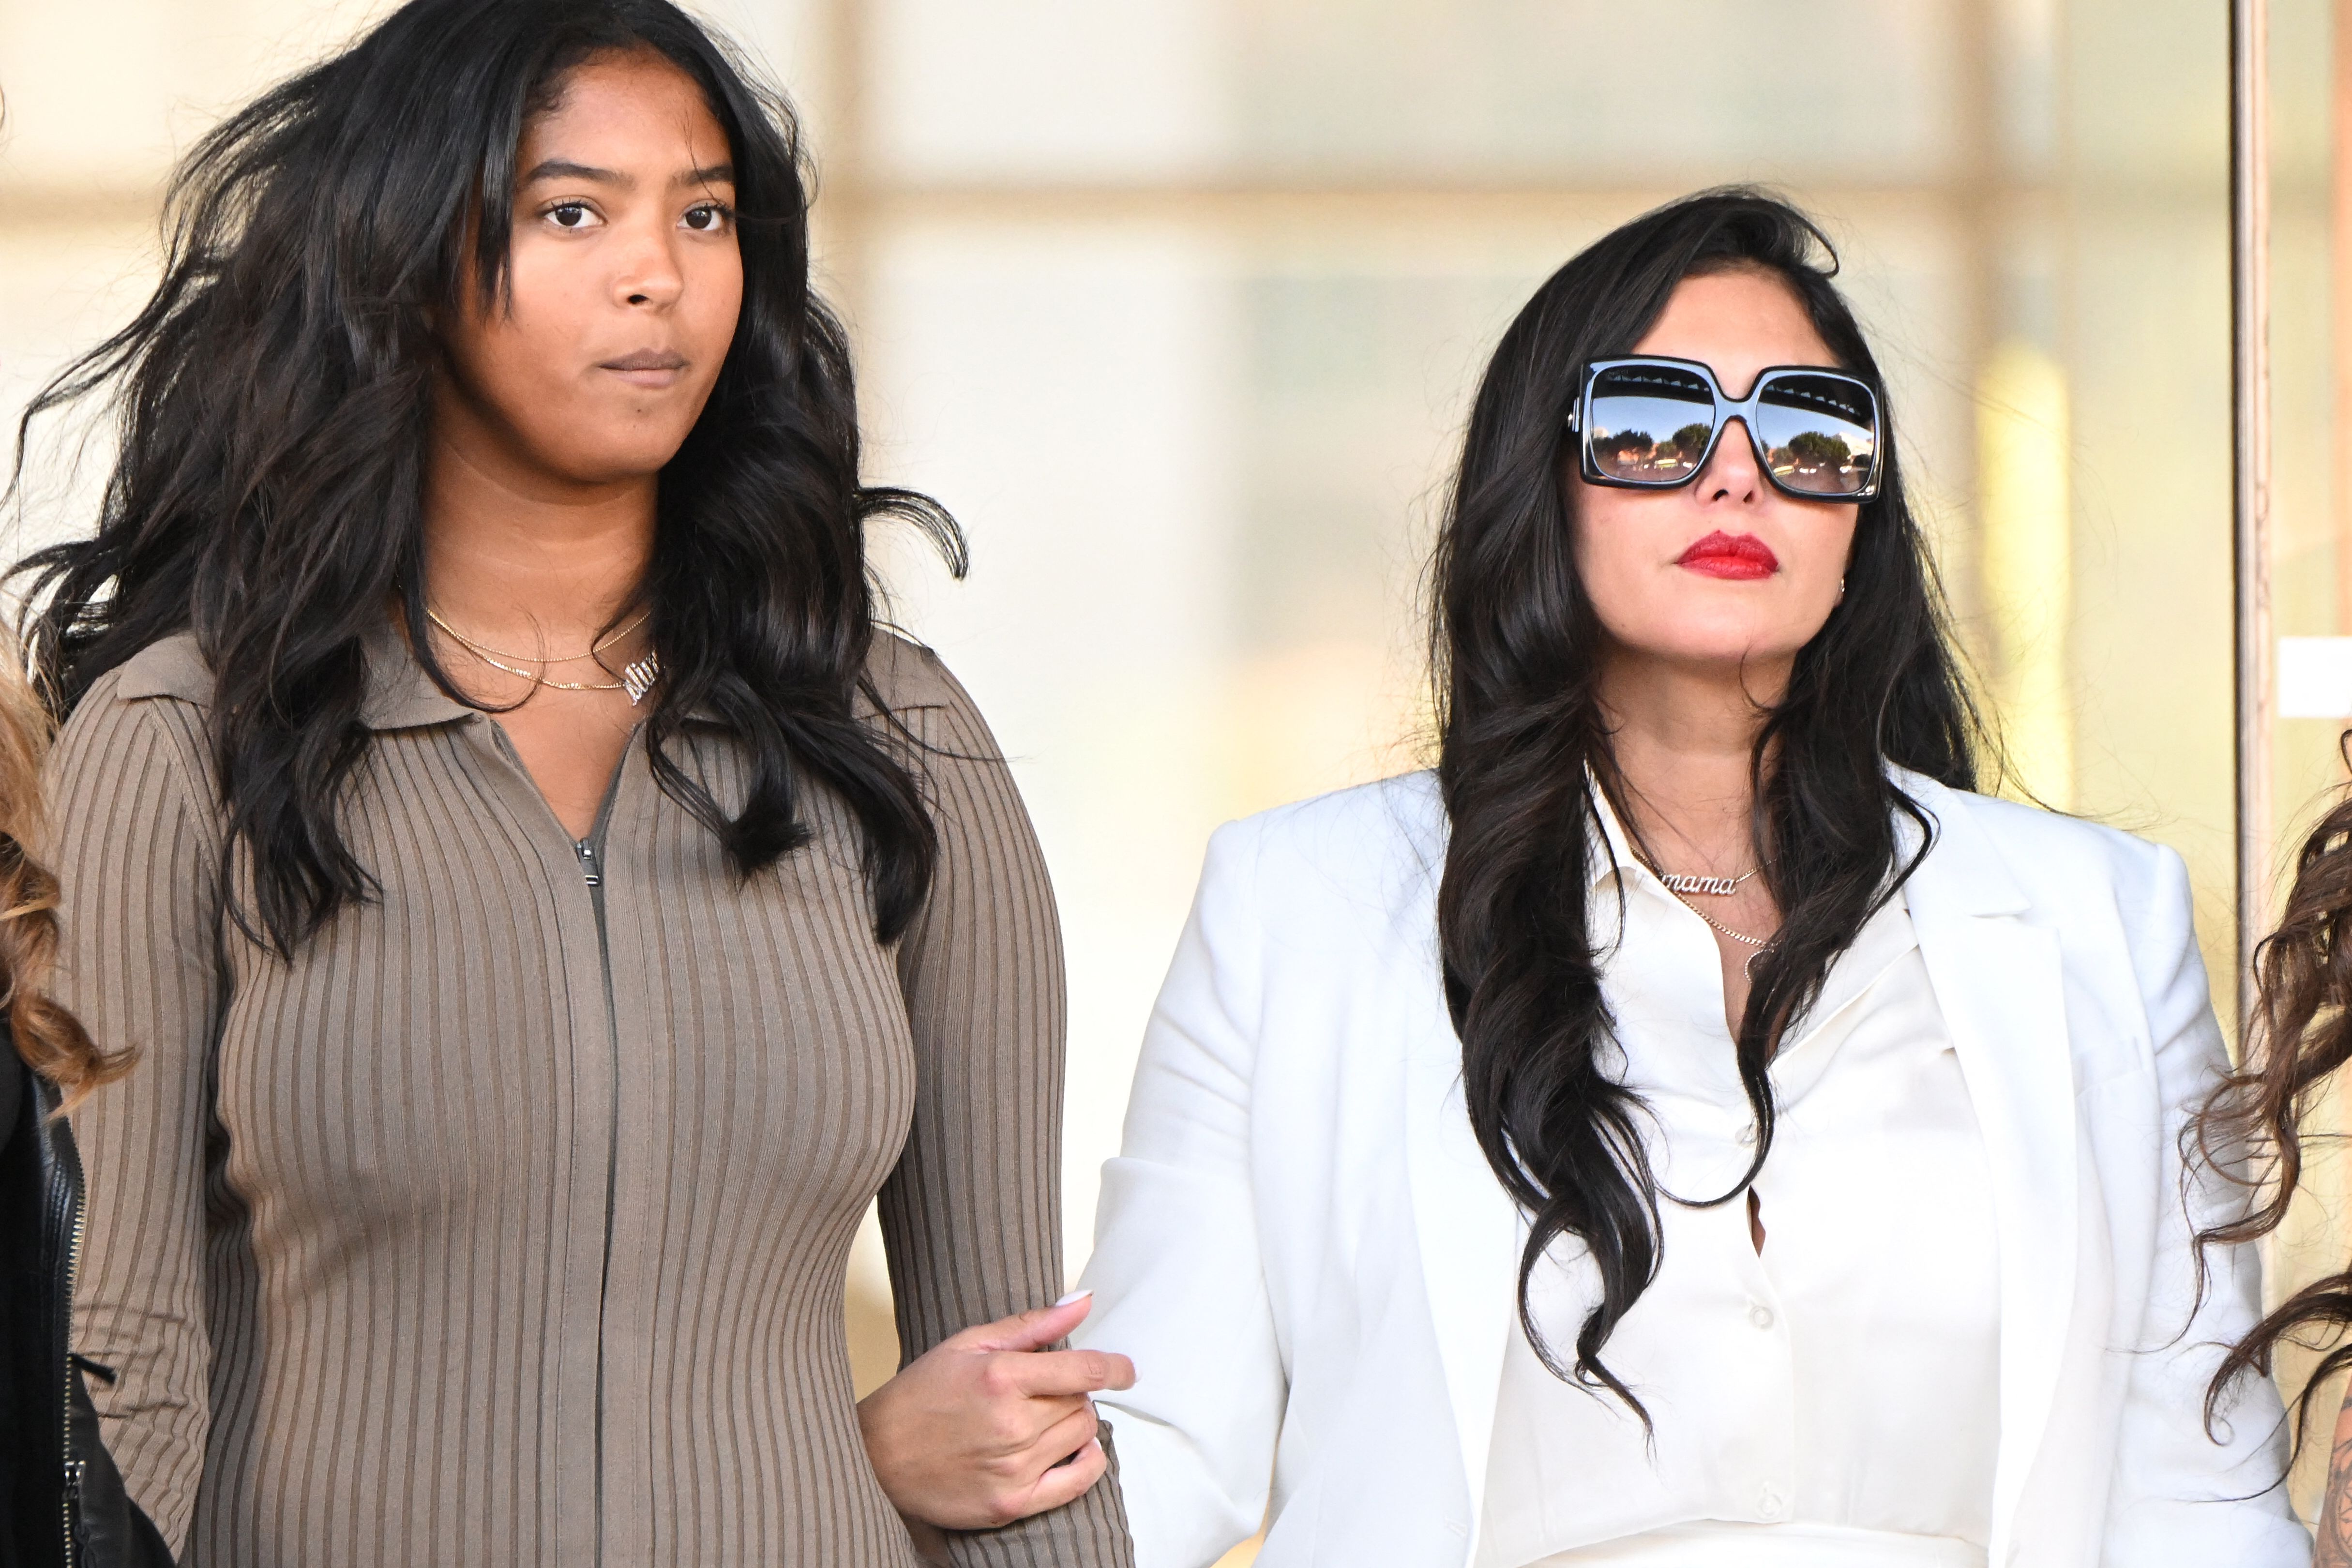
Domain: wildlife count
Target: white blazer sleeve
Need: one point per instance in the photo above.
(2179, 1498)
(1177, 1274)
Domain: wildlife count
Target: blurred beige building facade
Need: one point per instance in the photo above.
(1177, 304)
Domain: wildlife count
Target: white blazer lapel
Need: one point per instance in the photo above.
(2000, 985)
(1469, 1234)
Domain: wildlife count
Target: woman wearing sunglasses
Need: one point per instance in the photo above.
(1688, 1127)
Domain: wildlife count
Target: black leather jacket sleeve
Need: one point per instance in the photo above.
(65, 1506)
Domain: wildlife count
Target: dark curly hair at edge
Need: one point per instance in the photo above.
(275, 395)
(2252, 1131)
(1517, 653)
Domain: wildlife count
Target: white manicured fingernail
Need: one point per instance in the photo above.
(1073, 1296)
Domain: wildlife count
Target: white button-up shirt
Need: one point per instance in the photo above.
(1830, 1401)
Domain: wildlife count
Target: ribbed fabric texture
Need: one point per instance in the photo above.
(410, 1251)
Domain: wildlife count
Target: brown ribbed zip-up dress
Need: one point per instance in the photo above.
(430, 1249)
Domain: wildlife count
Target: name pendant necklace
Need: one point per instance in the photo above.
(1683, 887)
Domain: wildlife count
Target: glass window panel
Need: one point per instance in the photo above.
(1045, 89)
(1597, 92)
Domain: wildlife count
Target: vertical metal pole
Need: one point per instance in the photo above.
(2249, 509)
(1976, 214)
(2339, 299)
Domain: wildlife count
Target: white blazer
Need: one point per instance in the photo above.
(1314, 1270)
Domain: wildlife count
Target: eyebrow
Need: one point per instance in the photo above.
(565, 169)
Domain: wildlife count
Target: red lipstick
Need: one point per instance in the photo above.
(1742, 558)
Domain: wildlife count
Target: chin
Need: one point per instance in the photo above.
(1725, 648)
(1721, 632)
(622, 458)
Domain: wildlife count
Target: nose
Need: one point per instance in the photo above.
(648, 276)
(1732, 473)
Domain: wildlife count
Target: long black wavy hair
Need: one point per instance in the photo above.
(274, 398)
(1516, 650)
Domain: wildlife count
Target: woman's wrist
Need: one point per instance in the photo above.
(990, 1425)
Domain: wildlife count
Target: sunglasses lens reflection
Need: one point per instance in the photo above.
(1650, 423)
(1821, 432)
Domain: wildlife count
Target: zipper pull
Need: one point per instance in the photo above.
(588, 864)
(76, 1547)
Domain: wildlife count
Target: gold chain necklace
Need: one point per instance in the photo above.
(1754, 941)
(637, 676)
(1759, 943)
(568, 658)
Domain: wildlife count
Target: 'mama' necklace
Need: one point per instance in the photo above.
(1683, 885)
(1717, 886)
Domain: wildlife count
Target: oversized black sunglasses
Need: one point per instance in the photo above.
(1651, 424)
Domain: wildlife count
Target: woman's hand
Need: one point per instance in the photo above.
(989, 1426)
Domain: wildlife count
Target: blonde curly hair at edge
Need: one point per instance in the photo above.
(49, 1037)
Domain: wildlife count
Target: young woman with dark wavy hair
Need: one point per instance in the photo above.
(2256, 1127)
(1688, 1126)
(547, 905)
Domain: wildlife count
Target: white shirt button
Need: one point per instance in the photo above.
(1748, 1136)
(1759, 1314)
(1771, 1502)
